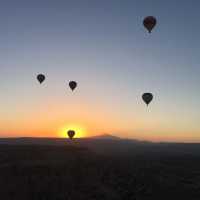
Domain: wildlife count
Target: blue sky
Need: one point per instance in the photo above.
(104, 46)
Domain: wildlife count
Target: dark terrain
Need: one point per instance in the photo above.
(98, 168)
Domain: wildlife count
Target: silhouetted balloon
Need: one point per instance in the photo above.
(149, 23)
(40, 78)
(147, 98)
(71, 134)
(72, 85)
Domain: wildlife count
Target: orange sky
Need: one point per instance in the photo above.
(108, 52)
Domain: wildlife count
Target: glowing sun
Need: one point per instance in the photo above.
(79, 131)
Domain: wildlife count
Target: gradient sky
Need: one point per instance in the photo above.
(103, 45)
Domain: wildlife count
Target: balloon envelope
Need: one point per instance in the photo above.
(71, 134)
(40, 78)
(72, 85)
(147, 98)
(149, 23)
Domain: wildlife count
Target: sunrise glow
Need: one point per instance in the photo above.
(79, 130)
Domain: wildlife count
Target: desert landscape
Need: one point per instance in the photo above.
(98, 168)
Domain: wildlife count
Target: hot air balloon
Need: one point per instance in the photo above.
(40, 78)
(71, 134)
(72, 85)
(147, 98)
(149, 23)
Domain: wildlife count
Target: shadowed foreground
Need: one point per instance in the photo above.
(49, 172)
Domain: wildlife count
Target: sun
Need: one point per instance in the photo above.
(79, 131)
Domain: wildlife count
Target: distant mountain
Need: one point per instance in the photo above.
(108, 144)
(106, 136)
